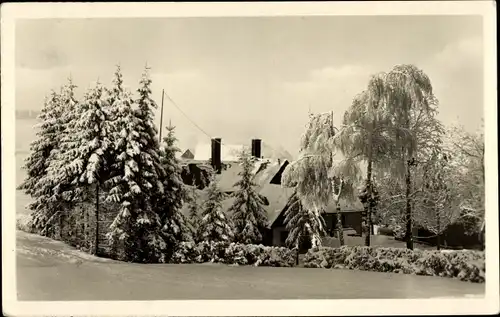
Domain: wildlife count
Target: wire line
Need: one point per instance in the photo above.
(187, 117)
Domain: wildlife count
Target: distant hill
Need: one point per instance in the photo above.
(275, 152)
(27, 114)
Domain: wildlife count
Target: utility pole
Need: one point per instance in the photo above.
(161, 114)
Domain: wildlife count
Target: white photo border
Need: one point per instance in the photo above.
(10, 12)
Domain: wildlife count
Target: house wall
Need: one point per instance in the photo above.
(349, 220)
(353, 220)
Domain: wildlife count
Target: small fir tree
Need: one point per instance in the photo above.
(214, 225)
(175, 226)
(305, 226)
(249, 215)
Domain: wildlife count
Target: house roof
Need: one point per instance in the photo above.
(187, 154)
(277, 196)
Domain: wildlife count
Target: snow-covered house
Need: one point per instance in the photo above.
(267, 175)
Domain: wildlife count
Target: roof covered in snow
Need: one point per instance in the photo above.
(277, 196)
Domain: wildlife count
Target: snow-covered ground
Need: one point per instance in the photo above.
(51, 270)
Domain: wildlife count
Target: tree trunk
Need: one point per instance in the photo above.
(340, 228)
(368, 204)
(409, 233)
(96, 250)
(85, 227)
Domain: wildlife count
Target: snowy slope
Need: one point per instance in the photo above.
(50, 270)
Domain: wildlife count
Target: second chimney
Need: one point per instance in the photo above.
(216, 155)
(256, 148)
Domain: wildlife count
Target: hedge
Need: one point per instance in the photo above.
(234, 253)
(464, 265)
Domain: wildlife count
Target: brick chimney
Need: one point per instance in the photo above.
(256, 148)
(216, 155)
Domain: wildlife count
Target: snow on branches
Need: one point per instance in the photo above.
(249, 215)
(214, 224)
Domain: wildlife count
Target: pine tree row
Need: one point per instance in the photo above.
(103, 150)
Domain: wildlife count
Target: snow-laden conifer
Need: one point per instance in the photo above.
(214, 224)
(36, 183)
(148, 134)
(47, 139)
(249, 216)
(145, 112)
(175, 226)
(69, 104)
(49, 204)
(82, 164)
(305, 225)
(86, 144)
(134, 179)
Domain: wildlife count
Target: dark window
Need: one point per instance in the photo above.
(283, 236)
(277, 178)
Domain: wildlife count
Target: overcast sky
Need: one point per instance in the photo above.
(244, 78)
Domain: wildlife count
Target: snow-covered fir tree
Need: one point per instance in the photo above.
(50, 205)
(249, 216)
(69, 104)
(304, 225)
(134, 181)
(83, 163)
(47, 139)
(214, 224)
(86, 144)
(148, 133)
(42, 150)
(175, 226)
(145, 112)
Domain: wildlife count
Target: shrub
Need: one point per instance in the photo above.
(24, 224)
(234, 254)
(185, 253)
(399, 232)
(464, 265)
